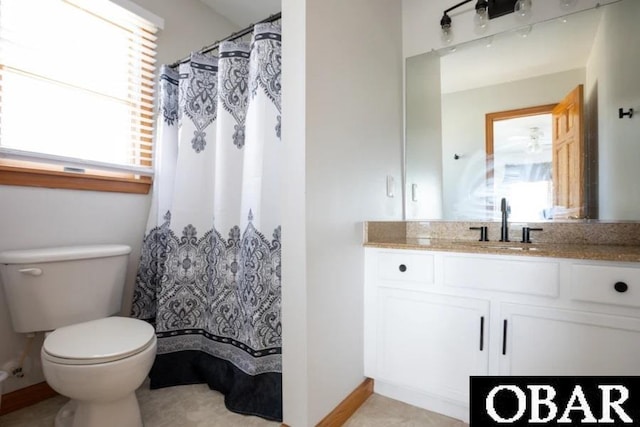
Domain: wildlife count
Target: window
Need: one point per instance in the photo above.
(76, 95)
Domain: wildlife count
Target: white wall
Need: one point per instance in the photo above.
(35, 217)
(342, 127)
(463, 127)
(612, 82)
(188, 26)
(295, 342)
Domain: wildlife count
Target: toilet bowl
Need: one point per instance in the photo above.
(99, 364)
(95, 359)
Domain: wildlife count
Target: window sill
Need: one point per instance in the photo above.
(18, 173)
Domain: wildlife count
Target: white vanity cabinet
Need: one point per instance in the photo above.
(421, 343)
(551, 341)
(594, 331)
(432, 319)
(431, 342)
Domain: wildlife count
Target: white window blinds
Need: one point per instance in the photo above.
(76, 84)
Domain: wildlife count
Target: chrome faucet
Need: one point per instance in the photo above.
(504, 230)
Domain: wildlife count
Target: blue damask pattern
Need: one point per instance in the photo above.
(150, 271)
(200, 92)
(266, 64)
(218, 295)
(168, 103)
(233, 72)
(182, 304)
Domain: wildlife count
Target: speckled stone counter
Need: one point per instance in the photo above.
(589, 241)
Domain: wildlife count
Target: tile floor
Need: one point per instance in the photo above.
(197, 406)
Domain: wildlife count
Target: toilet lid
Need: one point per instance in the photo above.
(98, 341)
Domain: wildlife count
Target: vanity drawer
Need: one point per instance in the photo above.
(504, 275)
(597, 283)
(408, 267)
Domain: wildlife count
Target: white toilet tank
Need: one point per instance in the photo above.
(53, 287)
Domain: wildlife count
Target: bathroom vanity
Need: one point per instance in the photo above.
(437, 312)
(441, 306)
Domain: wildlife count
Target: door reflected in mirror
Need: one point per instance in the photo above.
(535, 159)
(519, 162)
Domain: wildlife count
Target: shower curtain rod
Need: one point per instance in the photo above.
(233, 36)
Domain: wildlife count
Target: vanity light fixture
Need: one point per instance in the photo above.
(485, 10)
(481, 19)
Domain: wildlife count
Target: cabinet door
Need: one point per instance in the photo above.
(547, 341)
(431, 343)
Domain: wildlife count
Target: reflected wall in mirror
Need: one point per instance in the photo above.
(449, 94)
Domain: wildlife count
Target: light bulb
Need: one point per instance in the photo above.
(522, 9)
(534, 146)
(446, 36)
(481, 21)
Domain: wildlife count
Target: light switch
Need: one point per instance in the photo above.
(390, 186)
(414, 192)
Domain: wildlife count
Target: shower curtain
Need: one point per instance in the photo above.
(209, 275)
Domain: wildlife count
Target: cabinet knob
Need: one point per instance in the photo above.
(402, 268)
(621, 287)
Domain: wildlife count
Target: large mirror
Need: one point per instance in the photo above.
(475, 135)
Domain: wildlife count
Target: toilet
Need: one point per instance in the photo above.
(96, 359)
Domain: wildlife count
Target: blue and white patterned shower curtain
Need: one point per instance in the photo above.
(209, 276)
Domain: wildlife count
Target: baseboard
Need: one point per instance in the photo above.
(348, 406)
(26, 397)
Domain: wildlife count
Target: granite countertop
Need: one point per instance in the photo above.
(627, 253)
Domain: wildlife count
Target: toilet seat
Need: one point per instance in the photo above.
(98, 341)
